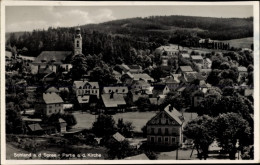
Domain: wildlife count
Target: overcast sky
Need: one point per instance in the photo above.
(27, 18)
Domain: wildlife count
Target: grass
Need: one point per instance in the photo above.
(240, 43)
(139, 119)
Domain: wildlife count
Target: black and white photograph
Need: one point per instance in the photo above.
(109, 82)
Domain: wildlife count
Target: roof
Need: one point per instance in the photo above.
(142, 76)
(190, 76)
(156, 101)
(188, 116)
(61, 120)
(158, 89)
(137, 157)
(170, 48)
(186, 68)
(134, 67)
(116, 73)
(115, 89)
(8, 54)
(208, 60)
(173, 114)
(172, 79)
(248, 92)
(35, 127)
(242, 69)
(140, 83)
(181, 89)
(56, 56)
(82, 83)
(51, 98)
(196, 57)
(117, 99)
(52, 89)
(185, 55)
(45, 70)
(83, 99)
(118, 137)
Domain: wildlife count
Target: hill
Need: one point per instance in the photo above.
(240, 43)
(114, 39)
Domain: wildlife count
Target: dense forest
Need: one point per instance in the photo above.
(116, 40)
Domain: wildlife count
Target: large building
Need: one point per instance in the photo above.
(166, 128)
(50, 103)
(83, 87)
(54, 60)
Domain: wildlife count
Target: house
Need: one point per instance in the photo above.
(196, 98)
(35, 129)
(113, 102)
(185, 56)
(50, 77)
(160, 89)
(167, 50)
(203, 86)
(140, 89)
(62, 125)
(115, 89)
(83, 101)
(83, 87)
(183, 69)
(66, 67)
(131, 68)
(197, 59)
(137, 157)
(142, 76)
(48, 104)
(118, 137)
(242, 72)
(127, 79)
(31, 93)
(49, 59)
(165, 129)
(117, 75)
(172, 81)
(52, 89)
(207, 63)
(188, 77)
(180, 90)
(203, 74)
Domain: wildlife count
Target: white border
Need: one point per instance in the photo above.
(129, 3)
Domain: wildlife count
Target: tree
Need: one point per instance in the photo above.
(14, 122)
(79, 66)
(103, 75)
(119, 150)
(104, 125)
(214, 77)
(230, 129)
(125, 128)
(142, 103)
(202, 132)
(70, 120)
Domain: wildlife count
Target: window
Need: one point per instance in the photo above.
(159, 131)
(152, 130)
(50, 106)
(116, 90)
(152, 139)
(166, 131)
(159, 139)
(77, 44)
(49, 111)
(173, 139)
(109, 91)
(123, 90)
(166, 140)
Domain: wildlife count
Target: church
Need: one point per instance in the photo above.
(53, 61)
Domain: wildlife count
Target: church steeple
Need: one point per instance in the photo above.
(77, 42)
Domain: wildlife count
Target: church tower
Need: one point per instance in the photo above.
(77, 42)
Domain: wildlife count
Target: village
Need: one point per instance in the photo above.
(132, 112)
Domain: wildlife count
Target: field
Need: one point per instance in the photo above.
(139, 119)
(240, 43)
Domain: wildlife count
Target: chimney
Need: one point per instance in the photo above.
(112, 95)
(170, 108)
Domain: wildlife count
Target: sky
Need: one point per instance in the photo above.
(27, 18)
